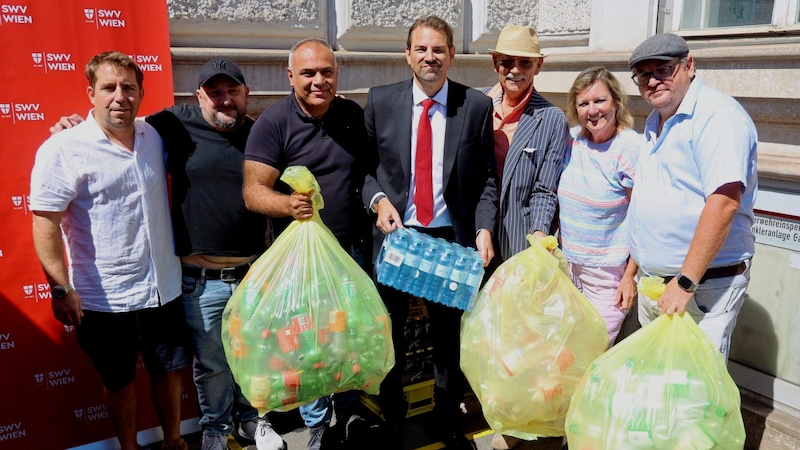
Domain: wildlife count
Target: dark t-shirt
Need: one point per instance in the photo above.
(205, 165)
(332, 148)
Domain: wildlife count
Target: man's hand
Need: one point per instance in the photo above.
(388, 217)
(68, 310)
(66, 122)
(674, 299)
(300, 205)
(483, 241)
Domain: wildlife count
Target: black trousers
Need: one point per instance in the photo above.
(445, 336)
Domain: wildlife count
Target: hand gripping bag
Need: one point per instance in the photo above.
(306, 321)
(528, 341)
(665, 386)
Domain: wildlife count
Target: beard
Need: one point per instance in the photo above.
(225, 122)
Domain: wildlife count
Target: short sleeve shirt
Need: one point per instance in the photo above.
(115, 215)
(332, 148)
(709, 142)
(593, 198)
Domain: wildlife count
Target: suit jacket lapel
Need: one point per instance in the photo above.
(456, 100)
(403, 103)
(527, 125)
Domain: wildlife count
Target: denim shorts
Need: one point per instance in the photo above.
(113, 341)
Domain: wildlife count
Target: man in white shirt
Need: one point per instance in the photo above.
(103, 184)
(691, 212)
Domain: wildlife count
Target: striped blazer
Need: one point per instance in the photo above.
(528, 199)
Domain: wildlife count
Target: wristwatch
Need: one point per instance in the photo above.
(686, 283)
(61, 291)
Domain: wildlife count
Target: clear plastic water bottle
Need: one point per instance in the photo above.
(409, 270)
(394, 251)
(441, 275)
(426, 265)
(473, 281)
(454, 291)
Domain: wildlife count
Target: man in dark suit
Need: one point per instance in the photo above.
(432, 167)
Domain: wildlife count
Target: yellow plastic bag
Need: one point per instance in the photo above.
(306, 321)
(665, 386)
(528, 341)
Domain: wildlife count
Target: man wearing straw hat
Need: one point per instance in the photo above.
(530, 137)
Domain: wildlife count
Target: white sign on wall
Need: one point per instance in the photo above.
(776, 221)
(777, 230)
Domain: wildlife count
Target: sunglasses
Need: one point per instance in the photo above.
(660, 73)
(524, 64)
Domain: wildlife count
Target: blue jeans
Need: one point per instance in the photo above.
(219, 396)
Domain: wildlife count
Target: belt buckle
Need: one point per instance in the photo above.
(228, 275)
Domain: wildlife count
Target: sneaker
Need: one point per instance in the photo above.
(247, 429)
(502, 442)
(266, 438)
(315, 436)
(214, 442)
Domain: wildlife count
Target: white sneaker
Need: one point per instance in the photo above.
(267, 438)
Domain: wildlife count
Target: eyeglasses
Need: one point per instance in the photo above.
(523, 64)
(660, 73)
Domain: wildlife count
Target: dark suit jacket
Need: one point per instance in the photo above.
(469, 172)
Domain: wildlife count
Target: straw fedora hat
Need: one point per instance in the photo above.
(518, 40)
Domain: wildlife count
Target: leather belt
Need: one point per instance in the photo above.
(718, 272)
(226, 274)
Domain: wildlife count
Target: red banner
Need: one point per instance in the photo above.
(51, 395)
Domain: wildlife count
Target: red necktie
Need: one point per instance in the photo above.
(423, 198)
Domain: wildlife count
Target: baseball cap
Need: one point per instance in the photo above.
(662, 46)
(220, 66)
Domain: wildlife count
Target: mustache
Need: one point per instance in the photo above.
(512, 77)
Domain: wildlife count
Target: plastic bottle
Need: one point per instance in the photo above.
(474, 278)
(337, 327)
(258, 368)
(455, 292)
(396, 246)
(251, 296)
(426, 265)
(440, 275)
(409, 268)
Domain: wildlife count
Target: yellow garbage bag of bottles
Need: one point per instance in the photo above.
(306, 321)
(528, 341)
(664, 386)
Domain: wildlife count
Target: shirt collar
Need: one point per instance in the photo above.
(441, 97)
(98, 134)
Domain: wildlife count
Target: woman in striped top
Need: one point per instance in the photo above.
(594, 193)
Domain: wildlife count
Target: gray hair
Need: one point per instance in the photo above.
(315, 40)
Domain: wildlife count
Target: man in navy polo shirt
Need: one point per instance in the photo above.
(313, 128)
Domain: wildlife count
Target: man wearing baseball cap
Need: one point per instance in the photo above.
(530, 138)
(691, 212)
(216, 237)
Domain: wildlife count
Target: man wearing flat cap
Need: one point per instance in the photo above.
(691, 212)
(530, 138)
